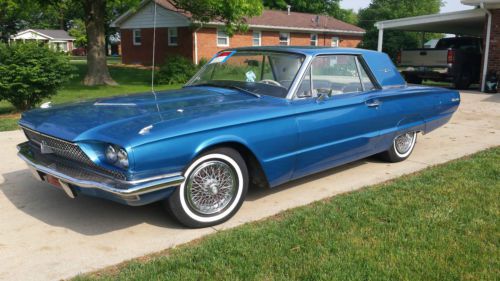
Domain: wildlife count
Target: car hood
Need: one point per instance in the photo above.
(117, 119)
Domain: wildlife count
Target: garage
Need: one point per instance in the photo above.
(481, 21)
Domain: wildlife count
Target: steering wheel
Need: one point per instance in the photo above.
(271, 82)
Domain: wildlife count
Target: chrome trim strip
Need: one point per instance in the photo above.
(132, 188)
(51, 137)
(298, 77)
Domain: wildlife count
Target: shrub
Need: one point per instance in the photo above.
(31, 72)
(202, 62)
(176, 69)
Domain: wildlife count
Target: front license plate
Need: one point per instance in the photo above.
(63, 186)
(53, 181)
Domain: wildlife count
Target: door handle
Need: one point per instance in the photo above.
(373, 103)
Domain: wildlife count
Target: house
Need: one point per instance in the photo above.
(176, 34)
(482, 20)
(56, 38)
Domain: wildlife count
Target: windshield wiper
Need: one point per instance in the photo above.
(229, 87)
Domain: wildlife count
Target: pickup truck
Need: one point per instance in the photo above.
(455, 59)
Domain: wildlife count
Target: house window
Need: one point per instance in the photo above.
(256, 39)
(335, 41)
(137, 37)
(172, 36)
(284, 38)
(314, 39)
(222, 38)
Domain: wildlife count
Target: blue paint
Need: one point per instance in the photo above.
(290, 138)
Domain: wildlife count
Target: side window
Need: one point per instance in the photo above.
(172, 36)
(332, 75)
(136, 34)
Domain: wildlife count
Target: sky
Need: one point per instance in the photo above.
(450, 5)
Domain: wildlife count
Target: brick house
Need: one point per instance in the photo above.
(176, 34)
(482, 20)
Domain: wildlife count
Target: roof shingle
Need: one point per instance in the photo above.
(275, 18)
(55, 33)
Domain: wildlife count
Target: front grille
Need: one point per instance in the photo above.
(67, 151)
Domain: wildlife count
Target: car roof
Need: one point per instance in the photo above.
(305, 50)
(381, 66)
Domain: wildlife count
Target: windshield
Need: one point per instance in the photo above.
(259, 72)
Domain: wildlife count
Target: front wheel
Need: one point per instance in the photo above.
(215, 187)
(401, 147)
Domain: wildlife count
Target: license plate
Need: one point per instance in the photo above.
(53, 181)
(62, 186)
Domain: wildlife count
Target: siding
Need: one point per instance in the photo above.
(144, 18)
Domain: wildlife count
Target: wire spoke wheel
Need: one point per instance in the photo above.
(404, 143)
(211, 187)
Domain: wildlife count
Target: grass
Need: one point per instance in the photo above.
(130, 80)
(439, 224)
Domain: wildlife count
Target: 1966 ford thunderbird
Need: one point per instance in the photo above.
(251, 116)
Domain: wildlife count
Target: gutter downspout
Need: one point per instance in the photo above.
(195, 39)
(486, 48)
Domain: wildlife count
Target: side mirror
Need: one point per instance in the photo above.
(323, 94)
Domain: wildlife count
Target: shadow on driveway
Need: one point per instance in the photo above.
(94, 216)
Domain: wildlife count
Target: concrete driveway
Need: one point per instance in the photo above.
(45, 236)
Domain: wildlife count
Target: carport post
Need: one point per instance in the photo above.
(380, 37)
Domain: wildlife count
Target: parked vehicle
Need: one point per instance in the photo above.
(80, 51)
(259, 116)
(455, 60)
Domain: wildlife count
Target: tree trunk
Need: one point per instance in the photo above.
(97, 69)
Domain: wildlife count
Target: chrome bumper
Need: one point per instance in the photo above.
(68, 175)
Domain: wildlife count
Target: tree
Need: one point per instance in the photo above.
(97, 68)
(328, 7)
(393, 9)
(77, 30)
(231, 12)
(97, 14)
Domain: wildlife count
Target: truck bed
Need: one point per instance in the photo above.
(424, 57)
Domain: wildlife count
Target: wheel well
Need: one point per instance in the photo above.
(257, 176)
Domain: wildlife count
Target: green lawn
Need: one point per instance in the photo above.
(130, 80)
(439, 224)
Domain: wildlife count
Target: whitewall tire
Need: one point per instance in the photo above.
(401, 148)
(213, 191)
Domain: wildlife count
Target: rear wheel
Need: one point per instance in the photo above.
(401, 147)
(463, 80)
(215, 187)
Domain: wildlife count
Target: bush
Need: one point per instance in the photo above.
(31, 72)
(176, 69)
(202, 62)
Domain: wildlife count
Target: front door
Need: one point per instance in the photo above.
(336, 114)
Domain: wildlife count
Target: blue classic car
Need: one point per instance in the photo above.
(250, 117)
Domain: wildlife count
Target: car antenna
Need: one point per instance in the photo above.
(153, 61)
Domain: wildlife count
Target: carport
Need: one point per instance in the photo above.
(474, 22)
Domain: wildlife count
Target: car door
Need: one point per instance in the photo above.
(336, 114)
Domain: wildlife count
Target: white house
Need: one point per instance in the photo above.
(58, 39)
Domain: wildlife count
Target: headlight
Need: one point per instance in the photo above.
(111, 154)
(117, 156)
(123, 158)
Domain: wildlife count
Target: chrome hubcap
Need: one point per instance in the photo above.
(211, 187)
(403, 143)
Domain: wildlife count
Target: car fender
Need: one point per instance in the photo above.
(410, 123)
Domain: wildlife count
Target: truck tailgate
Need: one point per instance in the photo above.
(424, 57)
